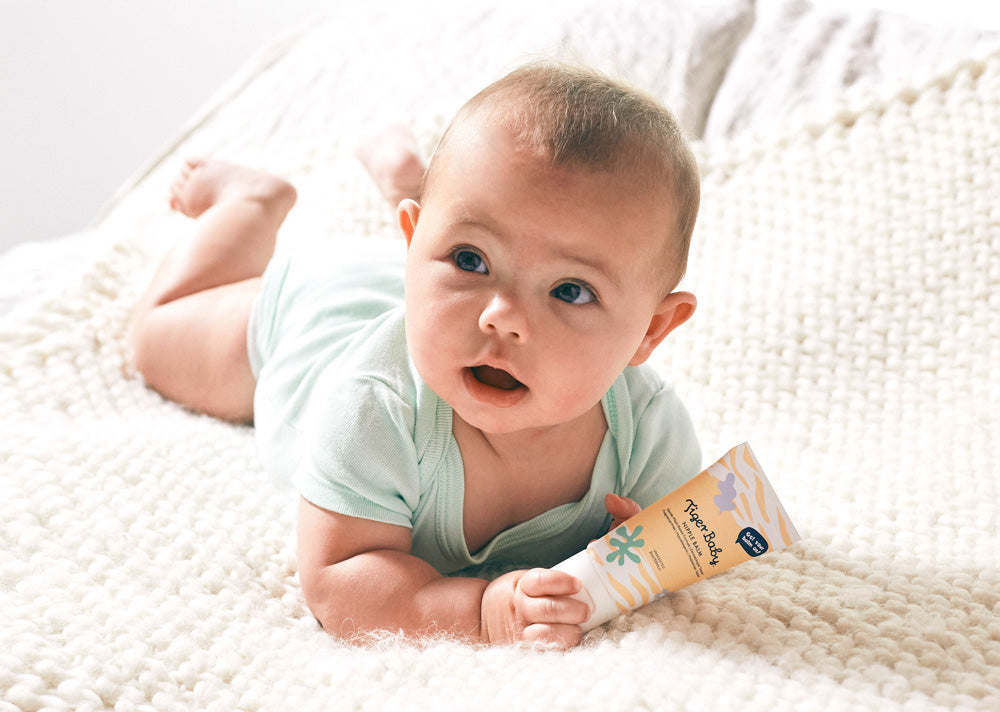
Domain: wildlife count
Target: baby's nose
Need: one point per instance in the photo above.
(504, 316)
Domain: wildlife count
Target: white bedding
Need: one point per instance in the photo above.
(847, 263)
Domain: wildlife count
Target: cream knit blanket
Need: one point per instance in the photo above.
(849, 328)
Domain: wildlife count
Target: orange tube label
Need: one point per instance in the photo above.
(723, 516)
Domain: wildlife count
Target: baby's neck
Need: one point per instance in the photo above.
(514, 477)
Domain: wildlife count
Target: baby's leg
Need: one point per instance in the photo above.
(191, 324)
(393, 160)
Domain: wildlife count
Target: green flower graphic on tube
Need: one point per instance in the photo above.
(623, 547)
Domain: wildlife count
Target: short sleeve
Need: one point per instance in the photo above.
(360, 458)
(665, 450)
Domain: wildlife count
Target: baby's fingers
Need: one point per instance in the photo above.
(620, 508)
(548, 582)
(544, 597)
(552, 610)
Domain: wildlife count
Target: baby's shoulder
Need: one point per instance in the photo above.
(649, 409)
(378, 383)
(645, 388)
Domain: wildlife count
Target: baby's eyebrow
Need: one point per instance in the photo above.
(592, 263)
(478, 223)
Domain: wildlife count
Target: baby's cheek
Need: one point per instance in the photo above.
(575, 391)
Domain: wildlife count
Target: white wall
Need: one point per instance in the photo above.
(90, 89)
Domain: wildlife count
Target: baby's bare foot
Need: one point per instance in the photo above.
(203, 183)
(393, 160)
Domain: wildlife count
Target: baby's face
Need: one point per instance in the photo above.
(528, 288)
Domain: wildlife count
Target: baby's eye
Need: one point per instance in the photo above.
(469, 261)
(573, 293)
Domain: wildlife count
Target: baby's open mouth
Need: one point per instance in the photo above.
(497, 378)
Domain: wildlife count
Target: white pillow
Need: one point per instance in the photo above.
(798, 56)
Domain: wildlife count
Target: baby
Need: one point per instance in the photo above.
(496, 410)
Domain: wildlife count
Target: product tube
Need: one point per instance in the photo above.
(724, 516)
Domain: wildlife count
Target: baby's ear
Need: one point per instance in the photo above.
(408, 213)
(674, 310)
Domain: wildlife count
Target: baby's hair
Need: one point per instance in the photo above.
(573, 116)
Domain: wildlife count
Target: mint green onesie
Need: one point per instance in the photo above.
(342, 414)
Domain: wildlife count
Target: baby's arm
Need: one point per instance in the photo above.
(358, 576)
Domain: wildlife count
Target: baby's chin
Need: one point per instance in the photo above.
(524, 419)
(491, 420)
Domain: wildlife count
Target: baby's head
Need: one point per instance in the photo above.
(574, 117)
(552, 228)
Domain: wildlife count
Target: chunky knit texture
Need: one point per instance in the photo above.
(849, 327)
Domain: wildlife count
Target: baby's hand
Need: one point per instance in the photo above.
(533, 606)
(620, 509)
